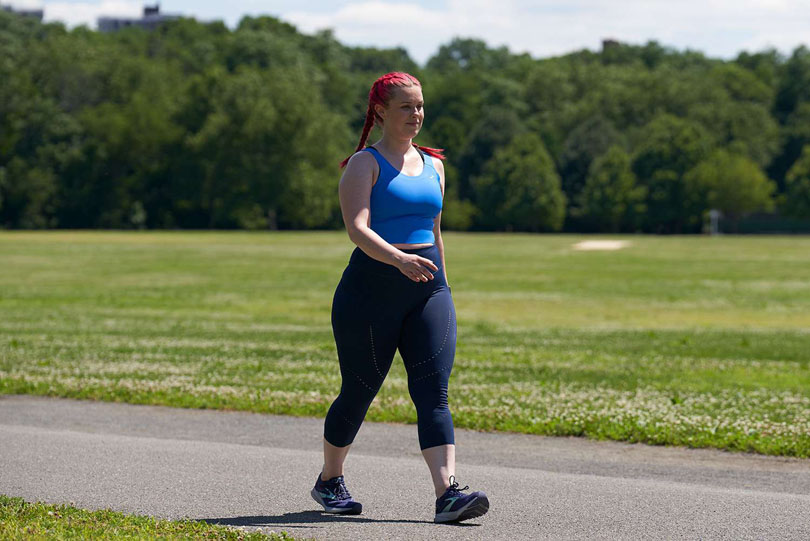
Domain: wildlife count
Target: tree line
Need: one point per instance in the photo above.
(195, 125)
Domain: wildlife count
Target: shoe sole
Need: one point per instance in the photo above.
(336, 510)
(474, 509)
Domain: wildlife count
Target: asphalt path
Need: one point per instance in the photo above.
(256, 471)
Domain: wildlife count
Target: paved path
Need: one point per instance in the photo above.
(256, 471)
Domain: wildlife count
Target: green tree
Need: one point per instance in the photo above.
(746, 126)
(3, 188)
(586, 142)
(265, 141)
(198, 125)
(549, 88)
(469, 54)
(27, 201)
(764, 65)
(128, 146)
(189, 44)
(453, 105)
(262, 48)
(496, 128)
(732, 105)
(795, 135)
(37, 145)
(797, 193)
(741, 84)
(731, 183)
(794, 83)
(374, 61)
(669, 148)
(611, 200)
(519, 188)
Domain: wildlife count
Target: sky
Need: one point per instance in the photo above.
(718, 28)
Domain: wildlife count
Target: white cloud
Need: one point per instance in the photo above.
(77, 13)
(550, 27)
(87, 12)
(540, 27)
(418, 29)
(376, 23)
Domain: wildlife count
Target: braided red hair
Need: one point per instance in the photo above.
(381, 92)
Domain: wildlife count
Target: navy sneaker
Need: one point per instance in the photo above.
(334, 497)
(455, 506)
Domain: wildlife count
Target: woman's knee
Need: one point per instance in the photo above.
(435, 427)
(345, 416)
(429, 398)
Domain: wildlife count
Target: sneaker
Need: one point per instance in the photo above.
(455, 506)
(334, 497)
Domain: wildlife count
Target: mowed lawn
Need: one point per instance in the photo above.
(693, 341)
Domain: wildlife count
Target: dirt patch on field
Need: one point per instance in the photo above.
(601, 245)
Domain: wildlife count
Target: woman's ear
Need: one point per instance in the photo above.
(380, 110)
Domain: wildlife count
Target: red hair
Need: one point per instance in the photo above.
(381, 92)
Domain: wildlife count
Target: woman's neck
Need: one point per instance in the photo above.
(397, 147)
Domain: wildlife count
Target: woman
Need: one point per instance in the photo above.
(394, 294)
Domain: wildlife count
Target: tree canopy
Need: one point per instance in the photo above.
(195, 125)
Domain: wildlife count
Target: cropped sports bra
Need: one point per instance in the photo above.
(403, 207)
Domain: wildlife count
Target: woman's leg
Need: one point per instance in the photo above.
(428, 346)
(366, 332)
(333, 458)
(441, 461)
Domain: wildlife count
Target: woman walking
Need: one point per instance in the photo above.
(394, 295)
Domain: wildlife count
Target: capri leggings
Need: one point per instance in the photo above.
(375, 311)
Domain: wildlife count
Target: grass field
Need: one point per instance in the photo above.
(20, 519)
(692, 341)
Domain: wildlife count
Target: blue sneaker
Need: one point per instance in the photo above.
(455, 506)
(334, 496)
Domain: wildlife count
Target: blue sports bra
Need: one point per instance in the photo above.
(403, 207)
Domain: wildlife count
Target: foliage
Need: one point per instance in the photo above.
(797, 196)
(585, 143)
(611, 199)
(669, 147)
(195, 125)
(731, 183)
(795, 136)
(519, 188)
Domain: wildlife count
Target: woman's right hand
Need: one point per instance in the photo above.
(416, 267)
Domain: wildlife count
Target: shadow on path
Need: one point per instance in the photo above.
(310, 518)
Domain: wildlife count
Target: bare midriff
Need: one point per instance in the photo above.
(423, 245)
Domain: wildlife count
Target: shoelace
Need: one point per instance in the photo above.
(453, 488)
(340, 489)
(343, 492)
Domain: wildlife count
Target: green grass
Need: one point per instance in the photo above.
(694, 341)
(25, 520)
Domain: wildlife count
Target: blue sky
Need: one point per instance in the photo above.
(720, 28)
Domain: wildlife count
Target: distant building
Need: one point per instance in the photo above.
(35, 13)
(609, 44)
(152, 18)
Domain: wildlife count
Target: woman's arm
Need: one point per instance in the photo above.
(437, 230)
(355, 194)
(440, 245)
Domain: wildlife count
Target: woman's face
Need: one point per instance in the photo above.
(404, 114)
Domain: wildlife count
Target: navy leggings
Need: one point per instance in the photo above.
(375, 310)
